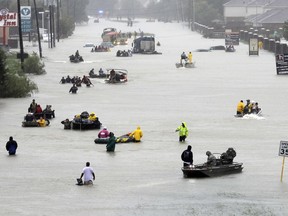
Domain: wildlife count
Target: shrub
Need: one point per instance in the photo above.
(33, 65)
(13, 83)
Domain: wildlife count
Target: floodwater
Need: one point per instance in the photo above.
(146, 178)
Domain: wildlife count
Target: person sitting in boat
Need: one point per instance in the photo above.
(190, 57)
(66, 123)
(63, 80)
(48, 110)
(38, 109)
(73, 89)
(29, 117)
(187, 156)
(41, 122)
(183, 57)
(91, 73)
(103, 133)
(228, 156)
(240, 108)
(77, 118)
(137, 134)
(247, 108)
(101, 72)
(92, 117)
(211, 160)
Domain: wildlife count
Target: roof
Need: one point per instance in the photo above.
(265, 3)
(270, 17)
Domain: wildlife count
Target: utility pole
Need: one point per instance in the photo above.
(38, 32)
(20, 35)
(58, 20)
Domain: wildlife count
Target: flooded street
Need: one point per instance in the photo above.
(146, 178)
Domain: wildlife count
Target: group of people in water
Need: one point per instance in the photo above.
(77, 82)
(186, 58)
(251, 107)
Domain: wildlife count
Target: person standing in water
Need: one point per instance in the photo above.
(183, 132)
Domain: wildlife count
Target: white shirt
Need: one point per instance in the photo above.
(88, 174)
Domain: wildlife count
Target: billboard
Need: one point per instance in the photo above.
(8, 19)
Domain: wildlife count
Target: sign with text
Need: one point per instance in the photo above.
(25, 18)
(281, 63)
(231, 38)
(283, 149)
(253, 46)
(8, 19)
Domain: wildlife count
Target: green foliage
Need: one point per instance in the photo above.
(13, 82)
(33, 65)
(67, 27)
(285, 30)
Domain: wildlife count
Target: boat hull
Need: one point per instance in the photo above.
(199, 171)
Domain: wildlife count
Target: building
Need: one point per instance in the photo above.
(256, 13)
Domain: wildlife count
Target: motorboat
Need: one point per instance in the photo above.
(202, 170)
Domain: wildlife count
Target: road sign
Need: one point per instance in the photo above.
(283, 149)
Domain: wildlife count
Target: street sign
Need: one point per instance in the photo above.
(283, 149)
(25, 18)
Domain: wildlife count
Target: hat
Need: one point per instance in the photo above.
(92, 113)
(105, 128)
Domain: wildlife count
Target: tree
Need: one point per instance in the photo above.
(285, 30)
(13, 82)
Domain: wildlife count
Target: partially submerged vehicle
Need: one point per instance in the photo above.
(185, 65)
(109, 35)
(144, 45)
(220, 47)
(117, 76)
